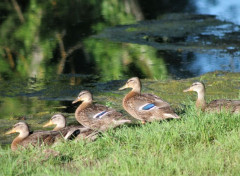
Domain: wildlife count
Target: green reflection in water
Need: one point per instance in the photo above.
(115, 61)
(27, 47)
(14, 108)
(22, 47)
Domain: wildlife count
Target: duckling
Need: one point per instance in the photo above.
(69, 132)
(215, 105)
(95, 116)
(145, 107)
(25, 138)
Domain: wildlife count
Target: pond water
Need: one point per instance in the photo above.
(51, 50)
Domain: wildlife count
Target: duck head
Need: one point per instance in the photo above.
(84, 96)
(196, 86)
(21, 128)
(58, 119)
(133, 83)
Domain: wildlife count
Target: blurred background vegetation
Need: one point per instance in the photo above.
(44, 38)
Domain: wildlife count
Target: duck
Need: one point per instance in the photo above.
(96, 116)
(27, 138)
(216, 105)
(70, 132)
(145, 107)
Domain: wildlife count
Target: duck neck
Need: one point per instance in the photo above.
(132, 93)
(137, 89)
(201, 103)
(18, 139)
(60, 126)
(82, 106)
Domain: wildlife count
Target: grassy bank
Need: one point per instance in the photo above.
(205, 144)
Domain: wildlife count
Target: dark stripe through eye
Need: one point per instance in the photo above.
(81, 94)
(195, 84)
(130, 80)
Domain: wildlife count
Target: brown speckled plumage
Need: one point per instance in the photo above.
(134, 102)
(25, 138)
(95, 116)
(215, 105)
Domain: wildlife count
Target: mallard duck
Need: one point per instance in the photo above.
(95, 116)
(26, 138)
(145, 107)
(215, 105)
(69, 132)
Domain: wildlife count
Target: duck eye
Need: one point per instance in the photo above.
(81, 94)
(16, 125)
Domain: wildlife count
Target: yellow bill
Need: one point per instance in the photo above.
(123, 87)
(76, 100)
(11, 131)
(188, 90)
(48, 124)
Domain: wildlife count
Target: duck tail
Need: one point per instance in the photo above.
(173, 116)
(120, 122)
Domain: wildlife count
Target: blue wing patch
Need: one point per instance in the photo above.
(148, 106)
(99, 115)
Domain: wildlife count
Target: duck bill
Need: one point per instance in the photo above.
(11, 131)
(76, 100)
(123, 87)
(48, 124)
(188, 90)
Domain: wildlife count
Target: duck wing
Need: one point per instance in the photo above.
(100, 112)
(221, 104)
(150, 107)
(100, 117)
(40, 137)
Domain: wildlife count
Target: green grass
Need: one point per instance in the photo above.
(198, 144)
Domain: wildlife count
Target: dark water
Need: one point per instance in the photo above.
(51, 50)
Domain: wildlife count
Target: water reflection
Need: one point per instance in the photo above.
(120, 61)
(225, 10)
(204, 64)
(39, 42)
(58, 40)
(189, 64)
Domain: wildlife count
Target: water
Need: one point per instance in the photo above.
(225, 10)
(48, 56)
